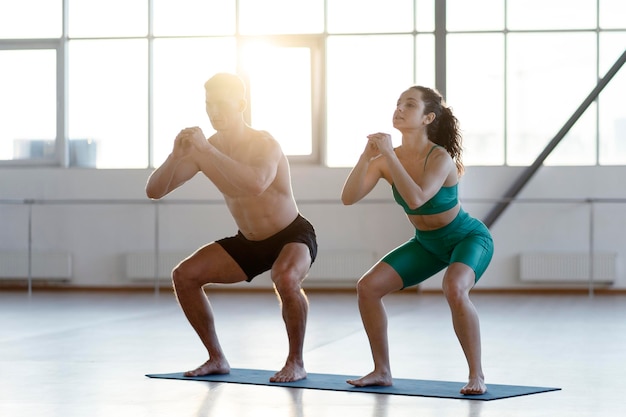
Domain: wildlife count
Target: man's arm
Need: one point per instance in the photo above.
(251, 170)
(177, 169)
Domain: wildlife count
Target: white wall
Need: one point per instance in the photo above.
(98, 235)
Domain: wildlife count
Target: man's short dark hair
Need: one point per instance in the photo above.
(230, 82)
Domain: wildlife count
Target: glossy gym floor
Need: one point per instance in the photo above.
(78, 354)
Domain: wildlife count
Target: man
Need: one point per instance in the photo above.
(249, 168)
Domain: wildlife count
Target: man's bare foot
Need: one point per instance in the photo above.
(210, 367)
(373, 378)
(290, 373)
(475, 386)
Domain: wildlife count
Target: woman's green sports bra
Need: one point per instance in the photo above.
(445, 199)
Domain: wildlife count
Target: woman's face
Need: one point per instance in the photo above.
(409, 111)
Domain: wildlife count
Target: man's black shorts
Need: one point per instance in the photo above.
(258, 256)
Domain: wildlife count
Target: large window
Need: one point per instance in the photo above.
(28, 104)
(79, 91)
(515, 76)
(370, 62)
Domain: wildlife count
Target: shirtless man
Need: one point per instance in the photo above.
(249, 168)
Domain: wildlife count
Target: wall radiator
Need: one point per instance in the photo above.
(340, 268)
(567, 267)
(140, 266)
(332, 268)
(55, 266)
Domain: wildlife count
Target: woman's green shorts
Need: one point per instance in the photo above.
(466, 240)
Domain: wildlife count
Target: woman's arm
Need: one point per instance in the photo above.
(435, 173)
(364, 176)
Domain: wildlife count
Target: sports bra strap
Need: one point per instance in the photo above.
(429, 152)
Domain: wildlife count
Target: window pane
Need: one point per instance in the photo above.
(280, 95)
(178, 93)
(361, 96)
(546, 83)
(474, 15)
(425, 15)
(194, 17)
(108, 99)
(612, 14)
(107, 18)
(425, 60)
(578, 147)
(476, 94)
(612, 110)
(359, 16)
(27, 104)
(551, 14)
(30, 19)
(281, 17)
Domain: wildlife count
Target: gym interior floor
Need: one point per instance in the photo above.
(86, 353)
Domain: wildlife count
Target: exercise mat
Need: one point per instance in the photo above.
(332, 382)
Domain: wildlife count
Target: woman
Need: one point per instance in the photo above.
(424, 173)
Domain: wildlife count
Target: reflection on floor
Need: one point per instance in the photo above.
(85, 354)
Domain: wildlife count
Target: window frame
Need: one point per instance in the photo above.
(316, 45)
(61, 140)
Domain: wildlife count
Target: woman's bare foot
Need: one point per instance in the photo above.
(290, 373)
(475, 386)
(210, 367)
(373, 378)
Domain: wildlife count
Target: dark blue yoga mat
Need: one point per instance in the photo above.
(330, 382)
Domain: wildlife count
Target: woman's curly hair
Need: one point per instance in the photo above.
(444, 130)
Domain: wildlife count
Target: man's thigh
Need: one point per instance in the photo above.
(294, 260)
(213, 265)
